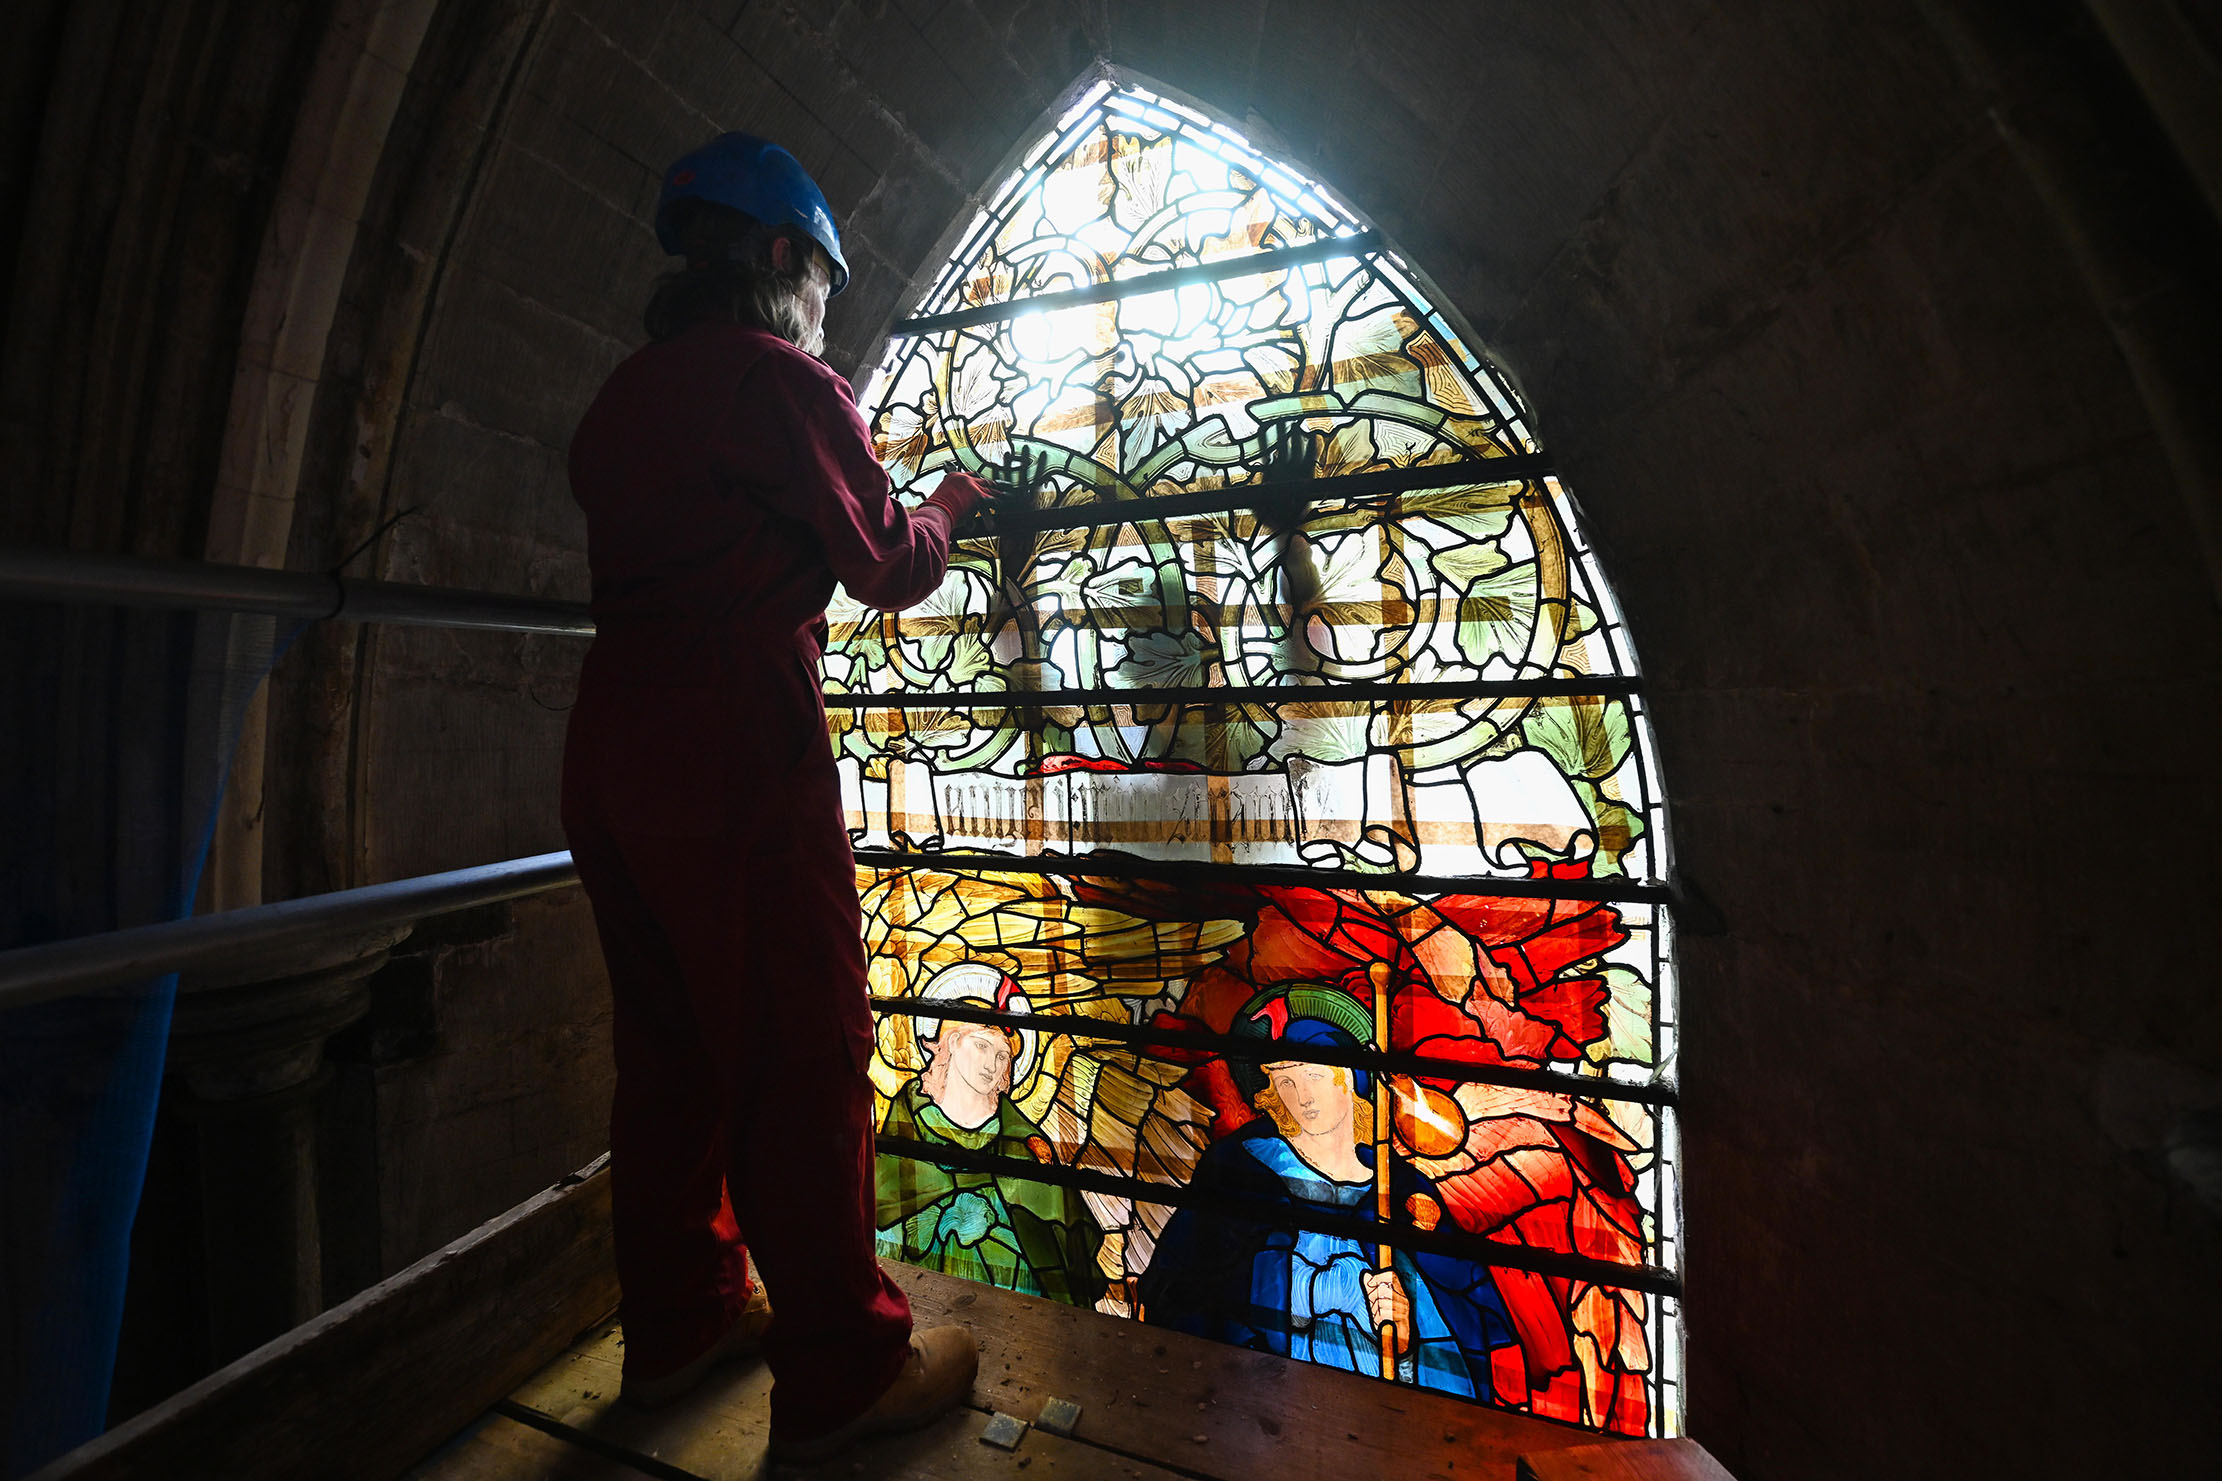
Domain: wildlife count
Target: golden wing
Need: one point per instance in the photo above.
(1100, 1105)
(1116, 1111)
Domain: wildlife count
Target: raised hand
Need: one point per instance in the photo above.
(1290, 456)
(1018, 481)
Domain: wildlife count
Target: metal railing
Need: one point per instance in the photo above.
(42, 973)
(55, 969)
(58, 969)
(49, 575)
(37, 974)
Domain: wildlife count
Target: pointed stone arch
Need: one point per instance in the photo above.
(1294, 701)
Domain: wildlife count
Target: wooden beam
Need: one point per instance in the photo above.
(1208, 1409)
(721, 1429)
(376, 1383)
(1626, 1460)
(1155, 1405)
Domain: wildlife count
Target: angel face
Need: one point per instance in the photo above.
(973, 1060)
(982, 1060)
(1317, 1097)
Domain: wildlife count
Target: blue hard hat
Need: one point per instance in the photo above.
(756, 177)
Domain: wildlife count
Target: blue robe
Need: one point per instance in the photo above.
(1269, 1284)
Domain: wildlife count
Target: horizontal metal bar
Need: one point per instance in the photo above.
(1404, 1062)
(1357, 244)
(49, 575)
(440, 606)
(35, 974)
(1454, 1242)
(56, 969)
(1173, 871)
(1232, 694)
(1286, 493)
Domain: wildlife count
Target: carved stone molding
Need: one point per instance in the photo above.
(247, 1075)
(259, 1027)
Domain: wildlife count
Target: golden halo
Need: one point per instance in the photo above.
(980, 983)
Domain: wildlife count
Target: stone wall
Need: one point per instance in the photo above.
(1929, 641)
(484, 1064)
(1918, 598)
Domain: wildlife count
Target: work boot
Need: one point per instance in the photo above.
(744, 1339)
(937, 1375)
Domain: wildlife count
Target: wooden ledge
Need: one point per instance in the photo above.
(372, 1385)
(1155, 1406)
(478, 1346)
(1627, 1460)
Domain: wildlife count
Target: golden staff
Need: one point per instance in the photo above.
(1378, 974)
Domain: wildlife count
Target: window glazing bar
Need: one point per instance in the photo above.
(1456, 1243)
(1233, 694)
(1176, 871)
(1358, 244)
(48, 575)
(1288, 493)
(58, 969)
(1402, 1062)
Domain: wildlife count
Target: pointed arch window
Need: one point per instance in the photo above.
(1259, 837)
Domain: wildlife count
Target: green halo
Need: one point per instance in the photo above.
(1305, 1000)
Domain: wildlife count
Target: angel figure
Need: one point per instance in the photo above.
(1013, 1232)
(1268, 1282)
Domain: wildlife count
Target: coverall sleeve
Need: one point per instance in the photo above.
(820, 470)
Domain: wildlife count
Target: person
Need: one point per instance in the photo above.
(1011, 1232)
(1268, 1282)
(727, 483)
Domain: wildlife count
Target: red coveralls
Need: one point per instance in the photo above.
(727, 481)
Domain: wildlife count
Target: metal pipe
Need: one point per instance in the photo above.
(1478, 472)
(1455, 1242)
(1175, 871)
(1358, 244)
(50, 575)
(56, 969)
(441, 606)
(1152, 1039)
(36, 974)
(1235, 694)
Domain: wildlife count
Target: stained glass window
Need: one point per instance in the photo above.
(1259, 836)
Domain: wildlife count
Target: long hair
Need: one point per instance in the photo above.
(729, 278)
(1268, 1100)
(939, 1050)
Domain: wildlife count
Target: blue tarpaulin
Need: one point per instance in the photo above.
(125, 727)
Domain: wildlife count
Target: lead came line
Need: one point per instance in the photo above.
(1474, 473)
(1128, 866)
(1460, 1244)
(1143, 1036)
(1237, 694)
(1358, 244)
